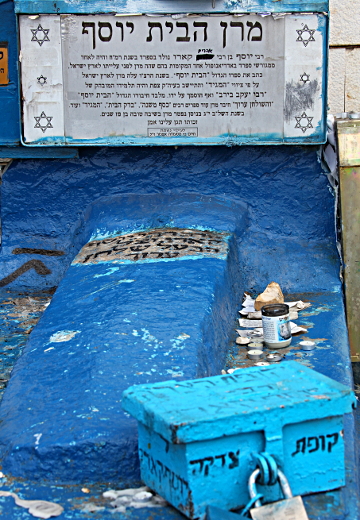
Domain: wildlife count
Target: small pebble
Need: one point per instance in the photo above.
(142, 496)
(111, 493)
(158, 500)
(123, 500)
(85, 490)
(115, 493)
(242, 341)
(92, 508)
(118, 506)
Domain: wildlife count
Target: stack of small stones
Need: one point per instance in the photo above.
(252, 338)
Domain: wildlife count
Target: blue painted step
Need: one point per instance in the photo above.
(115, 322)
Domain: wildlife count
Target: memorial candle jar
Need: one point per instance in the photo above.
(276, 325)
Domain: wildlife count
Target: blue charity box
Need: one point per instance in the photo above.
(198, 438)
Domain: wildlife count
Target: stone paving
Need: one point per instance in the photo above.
(19, 313)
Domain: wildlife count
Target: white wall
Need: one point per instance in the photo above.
(344, 56)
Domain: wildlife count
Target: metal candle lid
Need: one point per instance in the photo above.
(307, 345)
(255, 354)
(275, 309)
(255, 346)
(273, 358)
(242, 341)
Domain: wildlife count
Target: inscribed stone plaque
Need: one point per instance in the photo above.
(154, 245)
(224, 79)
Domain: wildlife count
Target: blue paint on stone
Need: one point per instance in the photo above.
(143, 322)
(228, 139)
(285, 233)
(45, 203)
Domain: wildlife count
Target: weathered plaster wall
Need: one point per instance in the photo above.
(344, 57)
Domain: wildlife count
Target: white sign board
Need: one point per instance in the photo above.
(177, 79)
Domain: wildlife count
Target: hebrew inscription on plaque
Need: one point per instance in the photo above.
(157, 244)
(163, 79)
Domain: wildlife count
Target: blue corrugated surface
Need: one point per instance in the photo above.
(46, 152)
(9, 94)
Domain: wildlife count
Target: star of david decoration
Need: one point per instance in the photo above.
(304, 77)
(306, 35)
(303, 122)
(43, 122)
(40, 35)
(41, 80)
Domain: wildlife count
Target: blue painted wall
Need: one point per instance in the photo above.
(290, 236)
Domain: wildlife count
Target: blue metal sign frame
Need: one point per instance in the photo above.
(170, 6)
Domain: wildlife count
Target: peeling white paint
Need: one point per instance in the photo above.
(37, 437)
(110, 285)
(174, 374)
(63, 335)
(111, 270)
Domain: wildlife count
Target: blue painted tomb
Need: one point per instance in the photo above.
(284, 233)
(138, 307)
